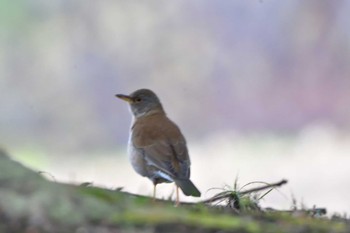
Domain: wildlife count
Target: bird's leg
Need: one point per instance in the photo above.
(177, 203)
(154, 191)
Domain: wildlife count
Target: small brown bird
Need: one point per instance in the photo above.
(157, 148)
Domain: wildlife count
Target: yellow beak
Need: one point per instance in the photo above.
(125, 98)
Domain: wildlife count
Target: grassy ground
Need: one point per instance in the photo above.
(30, 203)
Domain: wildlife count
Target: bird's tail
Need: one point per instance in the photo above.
(187, 187)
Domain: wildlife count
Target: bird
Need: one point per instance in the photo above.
(157, 148)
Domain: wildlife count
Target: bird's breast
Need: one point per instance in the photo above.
(136, 158)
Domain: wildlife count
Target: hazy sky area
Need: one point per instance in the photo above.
(260, 88)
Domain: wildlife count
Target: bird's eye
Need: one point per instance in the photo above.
(138, 99)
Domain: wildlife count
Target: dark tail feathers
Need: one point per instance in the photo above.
(188, 187)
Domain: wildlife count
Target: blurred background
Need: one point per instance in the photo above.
(260, 88)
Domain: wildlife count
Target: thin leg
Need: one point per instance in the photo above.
(177, 203)
(154, 192)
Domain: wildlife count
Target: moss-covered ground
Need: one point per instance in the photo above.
(30, 203)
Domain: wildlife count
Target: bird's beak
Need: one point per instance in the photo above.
(125, 98)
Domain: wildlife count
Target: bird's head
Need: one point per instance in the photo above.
(142, 102)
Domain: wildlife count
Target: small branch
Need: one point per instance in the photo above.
(228, 194)
(302, 212)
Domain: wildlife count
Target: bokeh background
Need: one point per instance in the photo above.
(260, 88)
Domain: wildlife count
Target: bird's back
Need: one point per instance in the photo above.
(162, 143)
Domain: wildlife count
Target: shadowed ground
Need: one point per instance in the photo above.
(30, 203)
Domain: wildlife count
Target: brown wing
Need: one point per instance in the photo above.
(163, 145)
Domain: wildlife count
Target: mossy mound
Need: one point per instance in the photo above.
(30, 203)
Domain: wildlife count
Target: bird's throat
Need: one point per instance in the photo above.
(149, 113)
